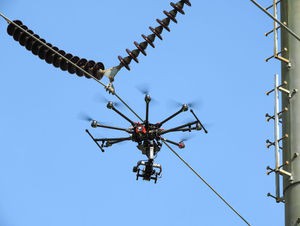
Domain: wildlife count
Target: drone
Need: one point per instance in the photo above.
(148, 136)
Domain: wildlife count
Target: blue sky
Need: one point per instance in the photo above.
(52, 174)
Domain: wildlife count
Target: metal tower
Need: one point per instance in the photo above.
(286, 32)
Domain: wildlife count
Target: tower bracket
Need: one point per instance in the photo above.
(290, 93)
(277, 55)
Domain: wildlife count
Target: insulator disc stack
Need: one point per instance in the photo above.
(156, 32)
(48, 52)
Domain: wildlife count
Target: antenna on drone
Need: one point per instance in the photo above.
(286, 120)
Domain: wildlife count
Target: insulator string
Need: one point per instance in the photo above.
(60, 53)
(52, 55)
(156, 32)
(206, 183)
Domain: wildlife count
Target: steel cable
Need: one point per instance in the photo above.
(206, 183)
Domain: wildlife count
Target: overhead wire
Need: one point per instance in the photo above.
(207, 184)
(72, 63)
(120, 99)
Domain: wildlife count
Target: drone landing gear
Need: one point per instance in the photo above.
(145, 169)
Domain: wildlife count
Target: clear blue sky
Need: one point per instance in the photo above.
(52, 174)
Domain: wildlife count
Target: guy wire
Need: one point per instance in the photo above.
(206, 183)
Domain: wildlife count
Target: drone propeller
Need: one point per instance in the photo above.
(144, 89)
(85, 117)
(104, 100)
(192, 104)
(88, 118)
(185, 138)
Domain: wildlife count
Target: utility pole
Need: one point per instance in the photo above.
(287, 121)
(290, 73)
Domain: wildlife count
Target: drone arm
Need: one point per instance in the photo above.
(147, 100)
(183, 108)
(88, 132)
(169, 118)
(112, 127)
(111, 141)
(180, 128)
(187, 129)
(122, 115)
(178, 144)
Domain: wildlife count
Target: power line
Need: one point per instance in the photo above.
(207, 184)
(128, 106)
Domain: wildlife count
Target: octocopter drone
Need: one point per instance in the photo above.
(148, 136)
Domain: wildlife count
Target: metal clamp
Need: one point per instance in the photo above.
(277, 56)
